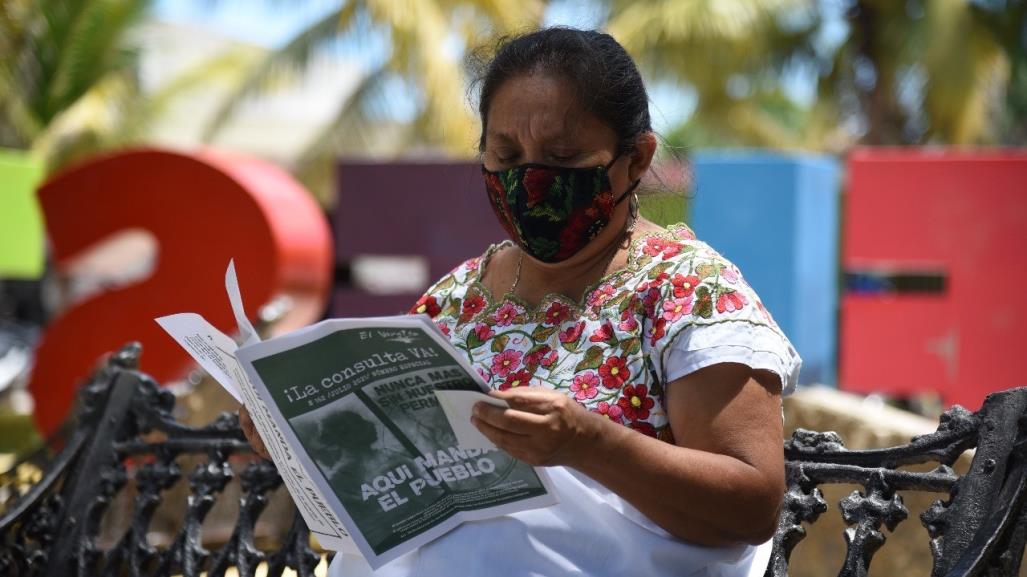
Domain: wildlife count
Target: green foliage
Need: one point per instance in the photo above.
(909, 72)
(69, 71)
(663, 209)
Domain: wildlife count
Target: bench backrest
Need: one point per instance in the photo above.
(127, 444)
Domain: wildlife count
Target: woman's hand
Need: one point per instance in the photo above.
(541, 427)
(250, 430)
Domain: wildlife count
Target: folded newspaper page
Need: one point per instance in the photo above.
(367, 421)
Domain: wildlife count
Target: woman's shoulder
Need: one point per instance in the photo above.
(699, 304)
(691, 280)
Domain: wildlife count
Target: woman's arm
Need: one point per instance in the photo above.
(721, 483)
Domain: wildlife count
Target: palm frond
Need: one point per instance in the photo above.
(351, 127)
(292, 58)
(96, 43)
(964, 66)
(225, 68)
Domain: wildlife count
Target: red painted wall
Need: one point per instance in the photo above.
(960, 214)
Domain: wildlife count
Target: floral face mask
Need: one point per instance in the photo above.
(552, 212)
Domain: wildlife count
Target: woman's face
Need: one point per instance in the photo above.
(537, 119)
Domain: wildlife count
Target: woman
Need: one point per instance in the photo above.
(637, 363)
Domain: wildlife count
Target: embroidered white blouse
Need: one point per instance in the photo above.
(677, 307)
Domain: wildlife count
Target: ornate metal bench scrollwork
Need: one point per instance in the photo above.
(981, 527)
(126, 443)
(126, 439)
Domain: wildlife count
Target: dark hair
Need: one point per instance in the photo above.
(604, 76)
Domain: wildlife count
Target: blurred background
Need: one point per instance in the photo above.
(861, 160)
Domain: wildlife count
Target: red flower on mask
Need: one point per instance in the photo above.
(537, 183)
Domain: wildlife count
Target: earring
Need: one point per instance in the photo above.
(633, 211)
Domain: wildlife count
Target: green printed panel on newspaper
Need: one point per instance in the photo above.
(361, 401)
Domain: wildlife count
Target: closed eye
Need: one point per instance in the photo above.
(563, 157)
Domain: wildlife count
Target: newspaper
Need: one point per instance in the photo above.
(368, 422)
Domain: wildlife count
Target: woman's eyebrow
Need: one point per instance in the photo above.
(556, 141)
(503, 137)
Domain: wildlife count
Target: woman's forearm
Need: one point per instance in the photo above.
(706, 498)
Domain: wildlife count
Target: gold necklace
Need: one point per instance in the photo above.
(520, 255)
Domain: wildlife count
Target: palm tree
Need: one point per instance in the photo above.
(68, 73)
(423, 41)
(910, 72)
(70, 77)
(928, 71)
(729, 52)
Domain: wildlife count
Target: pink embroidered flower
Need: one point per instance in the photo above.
(473, 263)
(635, 402)
(572, 334)
(550, 359)
(730, 274)
(659, 329)
(534, 358)
(485, 374)
(684, 233)
(675, 309)
(426, 305)
(557, 313)
(614, 372)
(443, 327)
(506, 314)
(612, 412)
(684, 286)
(516, 379)
(472, 306)
(628, 322)
(601, 295)
(506, 362)
(764, 311)
(730, 302)
(602, 334)
(484, 332)
(585, 386)
(655, 246)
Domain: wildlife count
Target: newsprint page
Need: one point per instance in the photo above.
(367, 421)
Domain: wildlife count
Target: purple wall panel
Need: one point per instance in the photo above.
(438, 211)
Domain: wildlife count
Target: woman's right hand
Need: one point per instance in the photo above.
(250, 430)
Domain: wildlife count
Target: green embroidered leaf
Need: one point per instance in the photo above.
(662, 267)
(536, 349)
(631, 346)
(445, 283)
(629, 302)
(707, 270)
(542, 333)
(703, 303)
(499, 343)
(615, 301)
(453, 308)
(593, 358)
(544, 246)
(473, 341)
(548, 211)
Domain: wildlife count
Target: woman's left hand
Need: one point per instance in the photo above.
(541, 427)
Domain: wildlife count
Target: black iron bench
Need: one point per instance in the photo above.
(127, 444)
